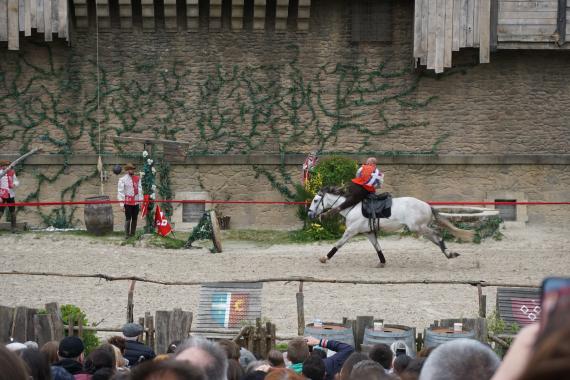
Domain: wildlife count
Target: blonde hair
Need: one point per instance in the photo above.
(119, 359)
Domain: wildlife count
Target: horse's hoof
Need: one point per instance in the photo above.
(380, 265)
(324, 259)
(453, 255)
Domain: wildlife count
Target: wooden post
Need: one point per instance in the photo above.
(215, 22)
(3, 20)
(303, 15)
(6, 319)
(259, 14)
(362, 322)
(130, 305)
(419, 342)
(13, 25)
(70, 325)
(192, 15)
(80, 326)
(494, 20)
(19, 324)
(483, 306)
(57, 321)
(300, 310)
(141, 336)
(237, 14)
(561, 22)
(126, 14)
(484, 31)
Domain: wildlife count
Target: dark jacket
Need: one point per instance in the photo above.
(70, 365)
(335, 362)
(134, 350)
(59, 373)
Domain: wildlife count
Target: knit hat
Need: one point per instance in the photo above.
(132, 330)
(70, 347)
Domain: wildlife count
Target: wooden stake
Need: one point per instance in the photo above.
(300, 310)
(130, 305)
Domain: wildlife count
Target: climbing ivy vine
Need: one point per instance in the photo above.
(238, 109)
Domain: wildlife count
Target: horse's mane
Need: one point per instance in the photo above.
(336, 190)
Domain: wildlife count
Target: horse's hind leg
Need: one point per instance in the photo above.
(434, 237)
(374, 240)
(347, 235)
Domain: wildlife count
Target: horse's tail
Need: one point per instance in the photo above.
(465, 235)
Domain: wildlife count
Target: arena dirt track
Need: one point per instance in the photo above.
(524, 256)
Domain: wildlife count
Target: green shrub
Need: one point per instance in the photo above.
(89, 338)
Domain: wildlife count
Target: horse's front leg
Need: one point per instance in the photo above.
(347, 235)
(374, 240)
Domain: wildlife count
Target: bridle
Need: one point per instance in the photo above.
(321, 201)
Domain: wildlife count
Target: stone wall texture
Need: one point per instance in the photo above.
(242, 93)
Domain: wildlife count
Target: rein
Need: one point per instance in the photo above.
(326, 209)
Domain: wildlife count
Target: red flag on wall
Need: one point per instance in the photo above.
(161, 223)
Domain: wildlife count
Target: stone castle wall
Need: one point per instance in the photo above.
(234, 94)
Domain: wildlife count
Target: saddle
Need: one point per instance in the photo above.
(377, 206)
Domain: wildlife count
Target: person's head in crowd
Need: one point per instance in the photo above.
(71, 347)
(110, 349)
(314, 367)
(319, 351)
(120, 361)
(132, 331)
(13, 368)
(206, 355)
(119, 342)
(297, 351)
(257, 365)
(16, 347)
(37, 364)
(100, 362)
(173, 346)
(400, 347)
(231, 348)
(276, 359)
(235, 372)
(425, 352)
(401, 362)
(161, 357)
(167, 370)
(346, 369)
(245, 357)
(50, 351)
(381, 354)
(283, 374)
(412, 371)
(461, 359)
(31, 344)
(369, 370)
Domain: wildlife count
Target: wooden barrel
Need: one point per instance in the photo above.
(391, 334)
(331, 331)
(434, 336)
(98, 217)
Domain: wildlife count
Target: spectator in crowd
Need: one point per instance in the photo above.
(172, 347)
(257, 370)
(334, 363)
(235, 371)
(460, 359)
(99, 364)
(70, 353)
(13, 368)
(369, 370)
(297, 353)
(349, 363)
(401, 362)
(119, 342)
(382, 354)
(206, 355)
(37, 364)
(231, 348)
(50, 351)
(400, 347)
(314, 367)
(167, 370)
(135, 351)
(16, 347)
(412, 371)
(275, 358)
(283, 374)
(245, 357)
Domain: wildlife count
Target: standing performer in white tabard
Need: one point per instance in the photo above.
(130, 194)
(8, 182)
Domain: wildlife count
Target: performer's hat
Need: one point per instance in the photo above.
(130, 166)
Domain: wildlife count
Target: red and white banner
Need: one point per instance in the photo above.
(161, 223)
(146, 203)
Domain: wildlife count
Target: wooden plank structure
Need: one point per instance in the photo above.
(171, 326)
(224, 307)
(518, 306)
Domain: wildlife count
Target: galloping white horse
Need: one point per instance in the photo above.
(406, 211)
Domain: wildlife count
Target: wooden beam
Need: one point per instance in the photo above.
(81, 17)
(561, 22)
(259, 10)
(3, 20)
(448, 31)
(148, 23)
(54, 15)
(237, 15)
(126, 14)
(215, 15)
(62, 27)
(13, 27)
(440, 36)
(33, 12)
(431, 33)
(494, 20)
(484, 31)
(456, 24)
(170, 18)
(304, 15)
(418, 52)
(27, 18)
(40, 16)
(281, 15)
(47, 21)
(192, 15)
(103, 14)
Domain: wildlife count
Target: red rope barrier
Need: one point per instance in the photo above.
(433, 203)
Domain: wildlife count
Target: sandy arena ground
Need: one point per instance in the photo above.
(524, 256)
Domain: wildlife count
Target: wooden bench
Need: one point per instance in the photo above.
(518, 306)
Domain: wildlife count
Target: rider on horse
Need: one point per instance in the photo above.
(368, 178)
